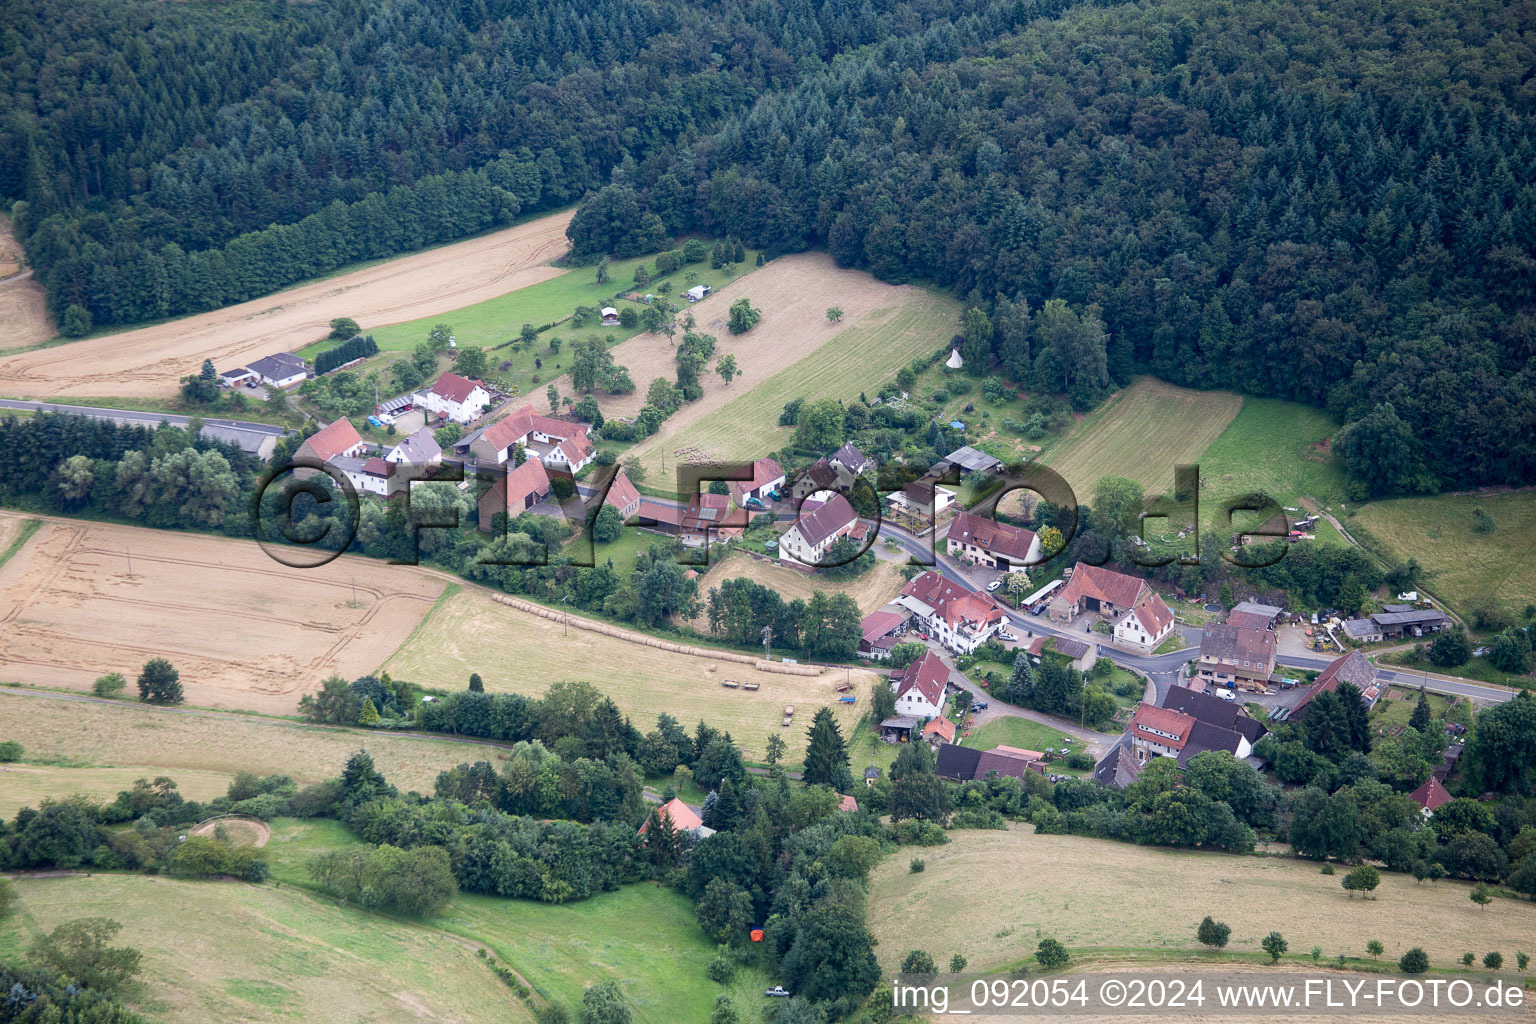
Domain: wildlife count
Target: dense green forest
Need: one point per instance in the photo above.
(1329, 204)
(174, 158)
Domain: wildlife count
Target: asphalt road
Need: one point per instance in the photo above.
(148, 419)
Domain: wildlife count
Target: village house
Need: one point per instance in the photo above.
(1118, 768)
(1145, 626)
(682, 819)
(279, 370)
(1096, 589)
(1225, 714)
(454, 398)
(958, 618)
(336, 440)
(880, 631)
(562, 446)
(515, 493)
(767, 475)
(1141, 620)
(1354, 668)
(921, 499)
(851, 459)
(1164, 732)
(420, 449)
(812, 535)
(1430, 797)
(992, 544)
(623, 496)
(920, 689)
(1238, 657)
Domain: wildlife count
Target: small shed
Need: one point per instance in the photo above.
(610, 316)
(697, 292)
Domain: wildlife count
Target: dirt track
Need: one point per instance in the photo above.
(23, 310)
(244, 631)
(149, 362)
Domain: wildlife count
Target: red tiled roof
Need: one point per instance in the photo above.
(941, 727)
(876, 624)
(339, 437)
(453, 388)
(512, 491)
(1248, 620)
(518, 424)
(927, 675)
(576, 448)
(1154, 615)
(680, 814)
(1102, 584)
(623, 493)
(1004, 763)
(1430, 795)
(378, 467)
(656, 512)
(1012, 542)
(848, 803)
(1353, 667)
(1033, 755)
(764, 471)
(1164, 721)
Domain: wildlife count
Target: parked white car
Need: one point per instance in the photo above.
(994, 585)
(1226, 695)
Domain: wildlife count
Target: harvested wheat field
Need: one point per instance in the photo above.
(1113, 439)
(1096, 893)
(205, 748)
(23, 303)
(149, 362)
(244, 631)
(880, 584)
(515, 650)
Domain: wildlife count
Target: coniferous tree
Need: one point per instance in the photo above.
(826, 755)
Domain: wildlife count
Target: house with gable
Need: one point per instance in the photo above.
(811, 536)
(336, 440)
(1354, 668)
(767, 475)
(562, 446)
(958, 618)
(991, 543)
(1145, 626)
(454, 398)
(515, 493)
(1238, 657)
(851, 459)
(623, 496)
(920, 689)
(1164, 732)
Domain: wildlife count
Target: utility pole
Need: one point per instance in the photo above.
(566, 600)
(767, 641)
(129, 552)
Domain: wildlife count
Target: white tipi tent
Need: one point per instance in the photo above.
(955, 362)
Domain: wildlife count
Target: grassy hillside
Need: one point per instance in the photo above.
(1094, 894)
(1276, 447)
(1466, 568)
(1141, 434)
(857, 359)
(228, 952)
